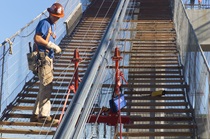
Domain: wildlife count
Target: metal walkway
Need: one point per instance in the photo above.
(153, 65)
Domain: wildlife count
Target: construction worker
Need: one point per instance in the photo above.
(192, 2)
(199, 4)
(44, 37)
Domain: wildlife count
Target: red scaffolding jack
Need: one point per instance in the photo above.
(73, 87)
(76, 79)
(106, 115)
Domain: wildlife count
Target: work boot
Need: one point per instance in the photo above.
(47, 120)
(34, 118)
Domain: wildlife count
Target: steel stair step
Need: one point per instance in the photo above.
(58, 90)
(70, 63)
(65, 66)
(149, 39)
(156, 134)
(26, 131)
(58, 79)
(80, 49)
(87, 33)
(148, 29)
(173, 110)
(149, 21)
(155, 24)
(154, 62)
(30, 108)
(147, 67)
(153, 44)
(66, 58)
(156, 104)
(11, 123)
(155, 76)
(153, 48)
(133, 92)
(140, 56)
(173, 98)
(154, 35)
(151, 52)
(33, 96)
(85, 28)
(92, 37)
(30, 101)
(172, 72)
(75, 45)
(92, 25)
(158, 126)
(95, 19)
(170, 86)
(160, 119)
(22, 116)
(62, 84)
(156, 81)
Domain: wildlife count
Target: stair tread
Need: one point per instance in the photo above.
(16, 123)
(26, 131)
(140, 134)
(159, 126)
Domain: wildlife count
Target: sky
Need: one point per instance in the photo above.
(15, 14)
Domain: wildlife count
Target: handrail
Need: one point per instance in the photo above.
(67, 127)
(23, 28)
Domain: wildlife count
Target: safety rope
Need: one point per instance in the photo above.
(122, 76)
(64, 105)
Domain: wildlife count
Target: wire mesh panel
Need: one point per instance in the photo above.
(196, 69)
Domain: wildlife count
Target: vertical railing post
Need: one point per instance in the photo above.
(117, 58)
(76, 61)
(2, 76)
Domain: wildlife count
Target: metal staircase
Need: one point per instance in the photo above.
(153, 65)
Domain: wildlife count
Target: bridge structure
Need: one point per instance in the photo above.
(144, 53)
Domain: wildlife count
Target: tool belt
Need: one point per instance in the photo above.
(45, 68)
(32, 62)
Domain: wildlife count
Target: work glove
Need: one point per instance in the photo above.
(54, 46)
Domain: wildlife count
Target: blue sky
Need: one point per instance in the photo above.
(15, 14)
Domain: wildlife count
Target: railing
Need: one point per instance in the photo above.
(14, 72)
(196, 69)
